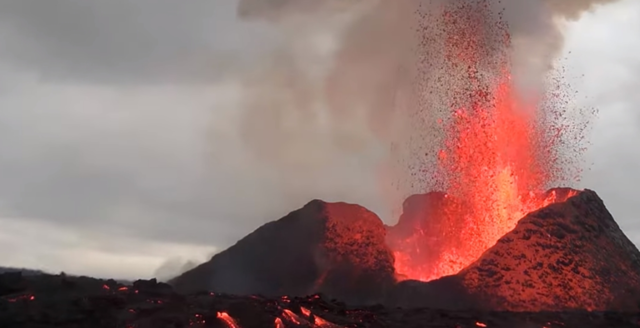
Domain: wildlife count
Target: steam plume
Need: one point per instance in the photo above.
(335, 87)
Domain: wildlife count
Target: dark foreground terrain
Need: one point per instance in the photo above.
(568, 255)
(59, 301)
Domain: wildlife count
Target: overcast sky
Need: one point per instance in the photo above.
(117, 146)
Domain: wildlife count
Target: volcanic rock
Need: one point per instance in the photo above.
(337, 249)
(96, 303)
(152, 287)
(11, 282)
(420, 212)
(446, 293)
(425, 230)
(569, 255)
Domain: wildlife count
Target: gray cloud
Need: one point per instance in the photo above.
(122, 41)
(105, 161)
(608, 80)
(289, 112)
(125, 161)
(100, 167)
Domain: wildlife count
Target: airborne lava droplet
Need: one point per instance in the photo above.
(21, 297)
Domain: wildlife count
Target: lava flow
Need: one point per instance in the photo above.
(495, 162)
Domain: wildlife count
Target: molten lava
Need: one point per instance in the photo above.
(228, 320)
(494, 162)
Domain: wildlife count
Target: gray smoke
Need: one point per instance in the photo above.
(333, 92)
(536, 29)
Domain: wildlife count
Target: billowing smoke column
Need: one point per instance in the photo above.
(472, 104)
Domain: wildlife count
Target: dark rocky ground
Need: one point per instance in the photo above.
(59, 301)
(565, 265)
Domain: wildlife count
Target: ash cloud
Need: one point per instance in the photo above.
(121, 42)
(340, 83)
(536, 28)
(325, 99)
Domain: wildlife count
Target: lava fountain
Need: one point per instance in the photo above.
(496, 159)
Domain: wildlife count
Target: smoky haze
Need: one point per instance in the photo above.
(334, 87)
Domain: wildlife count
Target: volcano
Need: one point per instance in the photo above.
(337, 249)
(331, 265)
(480, 245)
(568, 255)
(565, 256)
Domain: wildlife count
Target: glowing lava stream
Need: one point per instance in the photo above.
(495, 158)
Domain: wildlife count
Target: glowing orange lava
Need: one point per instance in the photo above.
(492, 160)
(228, 320)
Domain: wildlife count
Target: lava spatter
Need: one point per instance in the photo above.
(499, 152)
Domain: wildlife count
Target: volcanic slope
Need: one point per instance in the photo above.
(569, 255)
(565, 256)
(337, 249)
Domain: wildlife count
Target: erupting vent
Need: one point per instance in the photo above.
(481, 245)
(499, 152)
(490, 237)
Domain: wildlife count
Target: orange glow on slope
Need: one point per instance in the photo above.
(492, 160)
